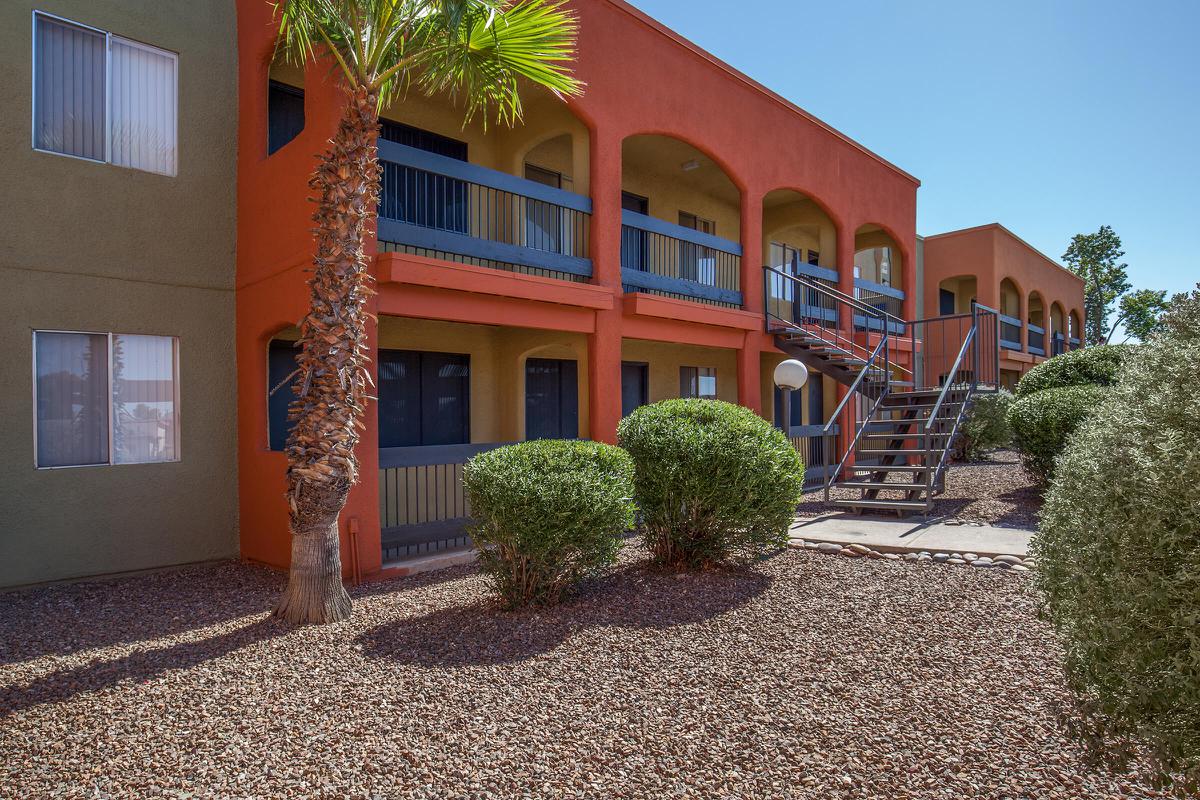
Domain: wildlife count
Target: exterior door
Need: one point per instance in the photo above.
(551, 399)
(635, 386)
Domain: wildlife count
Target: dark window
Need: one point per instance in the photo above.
(946, 302)
(689, 220)
(424, 398)
(285, 114)
(634, 242)
(697, 262)
(546, 177)
(281, 362)
(419, 197)
(814, 258)
(551, 399)
(431, 142)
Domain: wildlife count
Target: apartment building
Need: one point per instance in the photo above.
(1040, 302)
(119, 400)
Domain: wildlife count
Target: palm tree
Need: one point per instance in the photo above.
(477, 51)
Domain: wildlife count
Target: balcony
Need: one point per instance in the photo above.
(1010, 332)
(433, 205)
(660, 257)
(1037, 339)
(885, 298)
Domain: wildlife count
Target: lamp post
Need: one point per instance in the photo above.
(790, 376)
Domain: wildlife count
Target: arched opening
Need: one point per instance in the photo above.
(510, 198)
(281, 368)
(1058, 329)
(878, 269)
(681, 222)
(285, 105)
(1035, 319)
(1075, 330)
(955, 295)
(1010, 314)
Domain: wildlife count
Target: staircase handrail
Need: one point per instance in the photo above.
(950, 376)
(882, 347)
(933, 475)
(854, 302)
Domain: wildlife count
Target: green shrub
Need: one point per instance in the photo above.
(1119, 554)
(985, 426)
(548, 514)
(1042, 422)
(1091, 365)
(714, 482)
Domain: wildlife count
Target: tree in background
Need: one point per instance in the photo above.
(1096, 258)
(476, 51)
(1141, 312)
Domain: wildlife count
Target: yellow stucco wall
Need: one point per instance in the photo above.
(498, 358)
(801, 224)
(651, 167)
(665, 359)
(965, 290)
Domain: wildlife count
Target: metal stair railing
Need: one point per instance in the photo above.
(983, 320)
(877, 363)
(801, 304)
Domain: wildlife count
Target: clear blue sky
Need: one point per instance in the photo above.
(1052, 117)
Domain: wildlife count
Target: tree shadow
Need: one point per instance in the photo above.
(136, 667)
(480, 634)
(63, 619)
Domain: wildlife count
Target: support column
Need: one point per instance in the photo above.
(604, 344)
(1023, 308)
(749, 372)
(908, 282)
(752, 256)
(845, 269)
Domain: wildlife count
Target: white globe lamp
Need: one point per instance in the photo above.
(791, 375)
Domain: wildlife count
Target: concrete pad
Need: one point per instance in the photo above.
(911, 535)
(435, 561)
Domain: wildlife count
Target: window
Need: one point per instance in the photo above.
(697, 262)
(546, 177)
(698, 382)
(105, 398)
(421, 139)
(696, 223)
(102, 97)
(281, 368)
(545, 226)
(551, 398)
(424, 398)
(422, 198)
(285, 114)
(635, 244)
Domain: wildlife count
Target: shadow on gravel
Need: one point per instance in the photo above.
(64, 619)
(478, 634)
(135, 668)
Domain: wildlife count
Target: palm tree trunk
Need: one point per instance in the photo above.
(333, 379)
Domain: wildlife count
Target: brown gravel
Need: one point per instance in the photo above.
(806, 677)
(997, 491)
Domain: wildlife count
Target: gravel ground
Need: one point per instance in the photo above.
(806, 677)
(998, 491)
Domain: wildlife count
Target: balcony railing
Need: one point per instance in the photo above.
(1075, 343)
(442, 207)
(885, 298)
(1037, 339)
(662, 258)
(1058, 344)
(1010, 332)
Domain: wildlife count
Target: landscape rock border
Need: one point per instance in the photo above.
(1011, 563)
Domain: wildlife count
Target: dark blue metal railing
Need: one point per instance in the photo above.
(665, 258)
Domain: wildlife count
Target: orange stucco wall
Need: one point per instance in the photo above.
(641, 79)
(992, 254)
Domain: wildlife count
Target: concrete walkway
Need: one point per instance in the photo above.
(911, 535)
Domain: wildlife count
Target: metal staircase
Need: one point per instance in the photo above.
(909, 385)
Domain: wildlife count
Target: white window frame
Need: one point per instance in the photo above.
(112, 462)
(108, 40)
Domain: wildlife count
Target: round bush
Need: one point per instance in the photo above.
(548, 514)
(985, 426)
(1091, 365)
(1119, 554)
(1042, 422)
(715, 482)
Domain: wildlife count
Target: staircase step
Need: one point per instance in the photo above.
(883, 505)
(893, 452)
(914, 406)
(913, 435)
(871, 468)
(871, 485)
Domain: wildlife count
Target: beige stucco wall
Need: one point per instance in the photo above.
(95, 247)
(665, 359)
(498, 356)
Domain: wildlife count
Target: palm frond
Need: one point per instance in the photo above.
(479, 51)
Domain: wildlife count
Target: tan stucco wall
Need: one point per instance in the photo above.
(95, 247)
(666, 358)
(498, 356)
